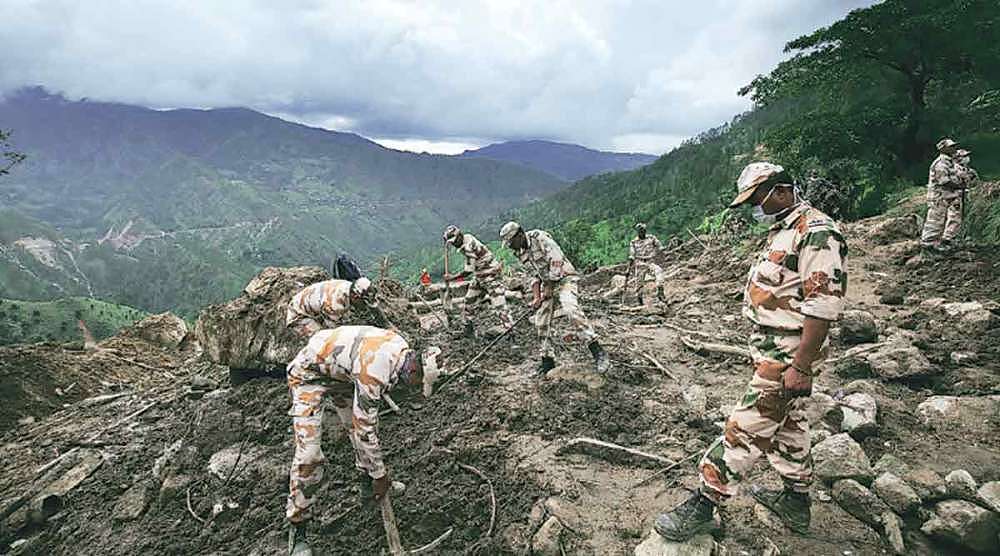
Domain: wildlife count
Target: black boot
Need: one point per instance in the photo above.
(298, 545)
(641, 300)
(659, 294)
(792, 507)
(470, 330)
(692, 517)
(601, 361)
(547, 364)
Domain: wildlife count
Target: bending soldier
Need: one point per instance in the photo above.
(327, 304)
(486, 273)
(641, 252)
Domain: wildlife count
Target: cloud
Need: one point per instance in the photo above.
(606, 74)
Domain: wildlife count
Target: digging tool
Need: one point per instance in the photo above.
(391, 529)
(464, 368)
(447, 283)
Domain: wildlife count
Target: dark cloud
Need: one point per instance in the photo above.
(633, 75)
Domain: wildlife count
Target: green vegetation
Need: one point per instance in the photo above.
(39, 321)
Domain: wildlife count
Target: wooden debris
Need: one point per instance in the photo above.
(656, 363)
(664, 470)
(191, 510)
(708, 347)
(611, 451)
(389, 523)
(393, 408)
(433, 544)
(493, 497)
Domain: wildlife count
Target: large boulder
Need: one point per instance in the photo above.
(965, 524)
(896, 359)
(896, 493)
(165, 329)
(840, 457)
(989, 495)
(961, 484)
(857, 327)
(249, 332)
(965, 413)
(859, 501)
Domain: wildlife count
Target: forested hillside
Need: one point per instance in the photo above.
(566, 161)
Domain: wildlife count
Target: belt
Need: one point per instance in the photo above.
(778, 331)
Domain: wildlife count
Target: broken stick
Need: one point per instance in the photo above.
(389, 523)
(702, 347)
(392, 405)
(664, 470)
(434, 543)
(602, 449)
(657, 363)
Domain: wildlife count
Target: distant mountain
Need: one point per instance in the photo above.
(173, 209)
(566, 161)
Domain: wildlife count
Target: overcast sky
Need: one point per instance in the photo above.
(440, 76)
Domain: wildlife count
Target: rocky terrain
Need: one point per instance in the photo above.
(162, 455)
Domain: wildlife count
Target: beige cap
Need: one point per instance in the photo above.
(508, 231)
(945, 144)
(753, 176)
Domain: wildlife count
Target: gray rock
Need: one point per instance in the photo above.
(840, 457)
(696, 398)
(896, 493)
(899, 361)
(548, 540)
(822, 410)
(818, 435)
(928, 485)
(965, 524)
(857, 327)
(165, 329)
(655, 545)
(889, 463)
(892, 526)
(860, 412)
(971, 413)
(245, 458)
(961, 485)
(859, 501)
(989, 495)
(567, 514)
(131, 505)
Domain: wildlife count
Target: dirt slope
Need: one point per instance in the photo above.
(511, 426)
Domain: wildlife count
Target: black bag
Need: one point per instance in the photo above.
(346, 268)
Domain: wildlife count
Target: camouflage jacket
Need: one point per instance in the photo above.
(947, 177)
(325, 302)
(370, 358)
(644, 249)
(544, 259)
(801, 272)
(478, 258)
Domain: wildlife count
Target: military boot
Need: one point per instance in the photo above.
(297, 543)
(547, 364)
(640, 299)
(692, 517)
(792, 507)
(659, 294)
(470, 330)
(601, 361)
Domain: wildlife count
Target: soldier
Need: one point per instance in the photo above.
(641, 252)
(326, 304)
(356, 365)
(555, 281)
(794, 291)
(485, 271)
(946, 185)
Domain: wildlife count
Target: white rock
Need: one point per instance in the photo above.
(933, 303)
(859, 501)
(971, 413)
(860, 412)
(961, 485)
(959, 309)
(696, 398)
(840, 457)
(655, 545)
(989, 495)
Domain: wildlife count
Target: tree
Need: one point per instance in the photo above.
(8, 156)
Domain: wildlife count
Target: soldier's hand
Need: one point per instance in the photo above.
(536, 302)
(380, 486)
(797, 384)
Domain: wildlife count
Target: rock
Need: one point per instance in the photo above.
(696, 398)
(963, 357)
(818, 435)
(961, 485)
(547, 541)
(165, 329)
(896, 493)
(249, 332)
(961, 309)
(655, 545)
(173, 487)
(967, 413)
(840, 457)
(566, 513)
(928, 485)
(897, 361)
(859, 411)
(857, 327)
(822, 409)
(889, 463)
(433, 321)
(977, 322)
(892, 526)
(894, 229)
(166, 459)
(132, 503)
(989, 495)
(222, 462)
(29, 420)
(932, 303)
(965, 524)
(859, 501)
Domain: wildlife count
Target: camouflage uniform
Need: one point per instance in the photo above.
(355, 365)
(948, 177)
(319, 306)
(642, 251)
(487, 279)
(800, 273)
(558, 280)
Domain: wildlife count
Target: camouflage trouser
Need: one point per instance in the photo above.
(944, 218)
(763, 423)
(308, 389)
(491, 287)
(307, 326)
(642, 270)
(563, 293)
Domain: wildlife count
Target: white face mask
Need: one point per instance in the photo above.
(758, 210)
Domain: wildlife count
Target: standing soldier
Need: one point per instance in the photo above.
(555, 281)
(641, 252)
(487, 280)
(794, 291)
(356, 365)
(946, 185)
(326, 304)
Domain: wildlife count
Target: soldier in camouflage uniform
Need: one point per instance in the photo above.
(793, 293)
(946, 184)
(326, 304)
(641, 252)
(555, 281)
(487, 279)
(355, 365)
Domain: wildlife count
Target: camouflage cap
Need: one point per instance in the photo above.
(753, 176)
(945, 144)
(640, 226)
(508, 231)
(450, 232)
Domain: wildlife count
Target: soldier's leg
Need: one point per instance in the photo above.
(658, 276)
(472, 297)
(639, 280)
(543, 325)
(342, 396)
(953, 220)
(567, 294)
(790, 453)
(306, 473)
(937, 213)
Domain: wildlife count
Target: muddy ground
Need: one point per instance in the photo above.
(504, 422)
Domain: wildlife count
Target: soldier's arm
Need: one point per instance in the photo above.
(365, 429)
(555, 258)
(814, 333)
(824, 283)
(631, 250)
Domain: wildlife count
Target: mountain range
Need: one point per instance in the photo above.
(564, 160)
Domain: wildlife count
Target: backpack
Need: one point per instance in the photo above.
(346, 269)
